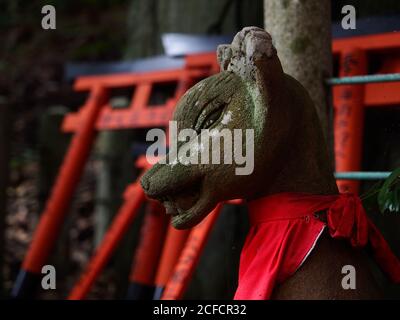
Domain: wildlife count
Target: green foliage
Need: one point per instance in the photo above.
(384, 197)
(389, 194)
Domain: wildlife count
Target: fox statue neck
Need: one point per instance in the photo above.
(299, 160)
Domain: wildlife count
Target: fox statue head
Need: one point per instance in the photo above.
(287, 146)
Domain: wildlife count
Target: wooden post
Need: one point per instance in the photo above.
(349, 118)
(52, 218)
(133, 199)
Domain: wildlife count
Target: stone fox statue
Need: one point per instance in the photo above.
(290, 156)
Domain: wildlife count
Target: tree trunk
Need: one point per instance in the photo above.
(302, 36)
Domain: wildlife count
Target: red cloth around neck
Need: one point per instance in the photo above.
(284, 230)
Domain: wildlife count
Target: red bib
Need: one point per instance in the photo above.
(284, 231)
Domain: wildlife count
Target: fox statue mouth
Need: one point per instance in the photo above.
(183, 203)
(181, 200)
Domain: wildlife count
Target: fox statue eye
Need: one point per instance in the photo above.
(212, 117)
(209, 119)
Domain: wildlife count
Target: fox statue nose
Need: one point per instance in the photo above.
(152, 182)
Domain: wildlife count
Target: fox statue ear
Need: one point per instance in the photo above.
(224, 55)
(253, 57)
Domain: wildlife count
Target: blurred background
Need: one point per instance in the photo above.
(37, 70)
